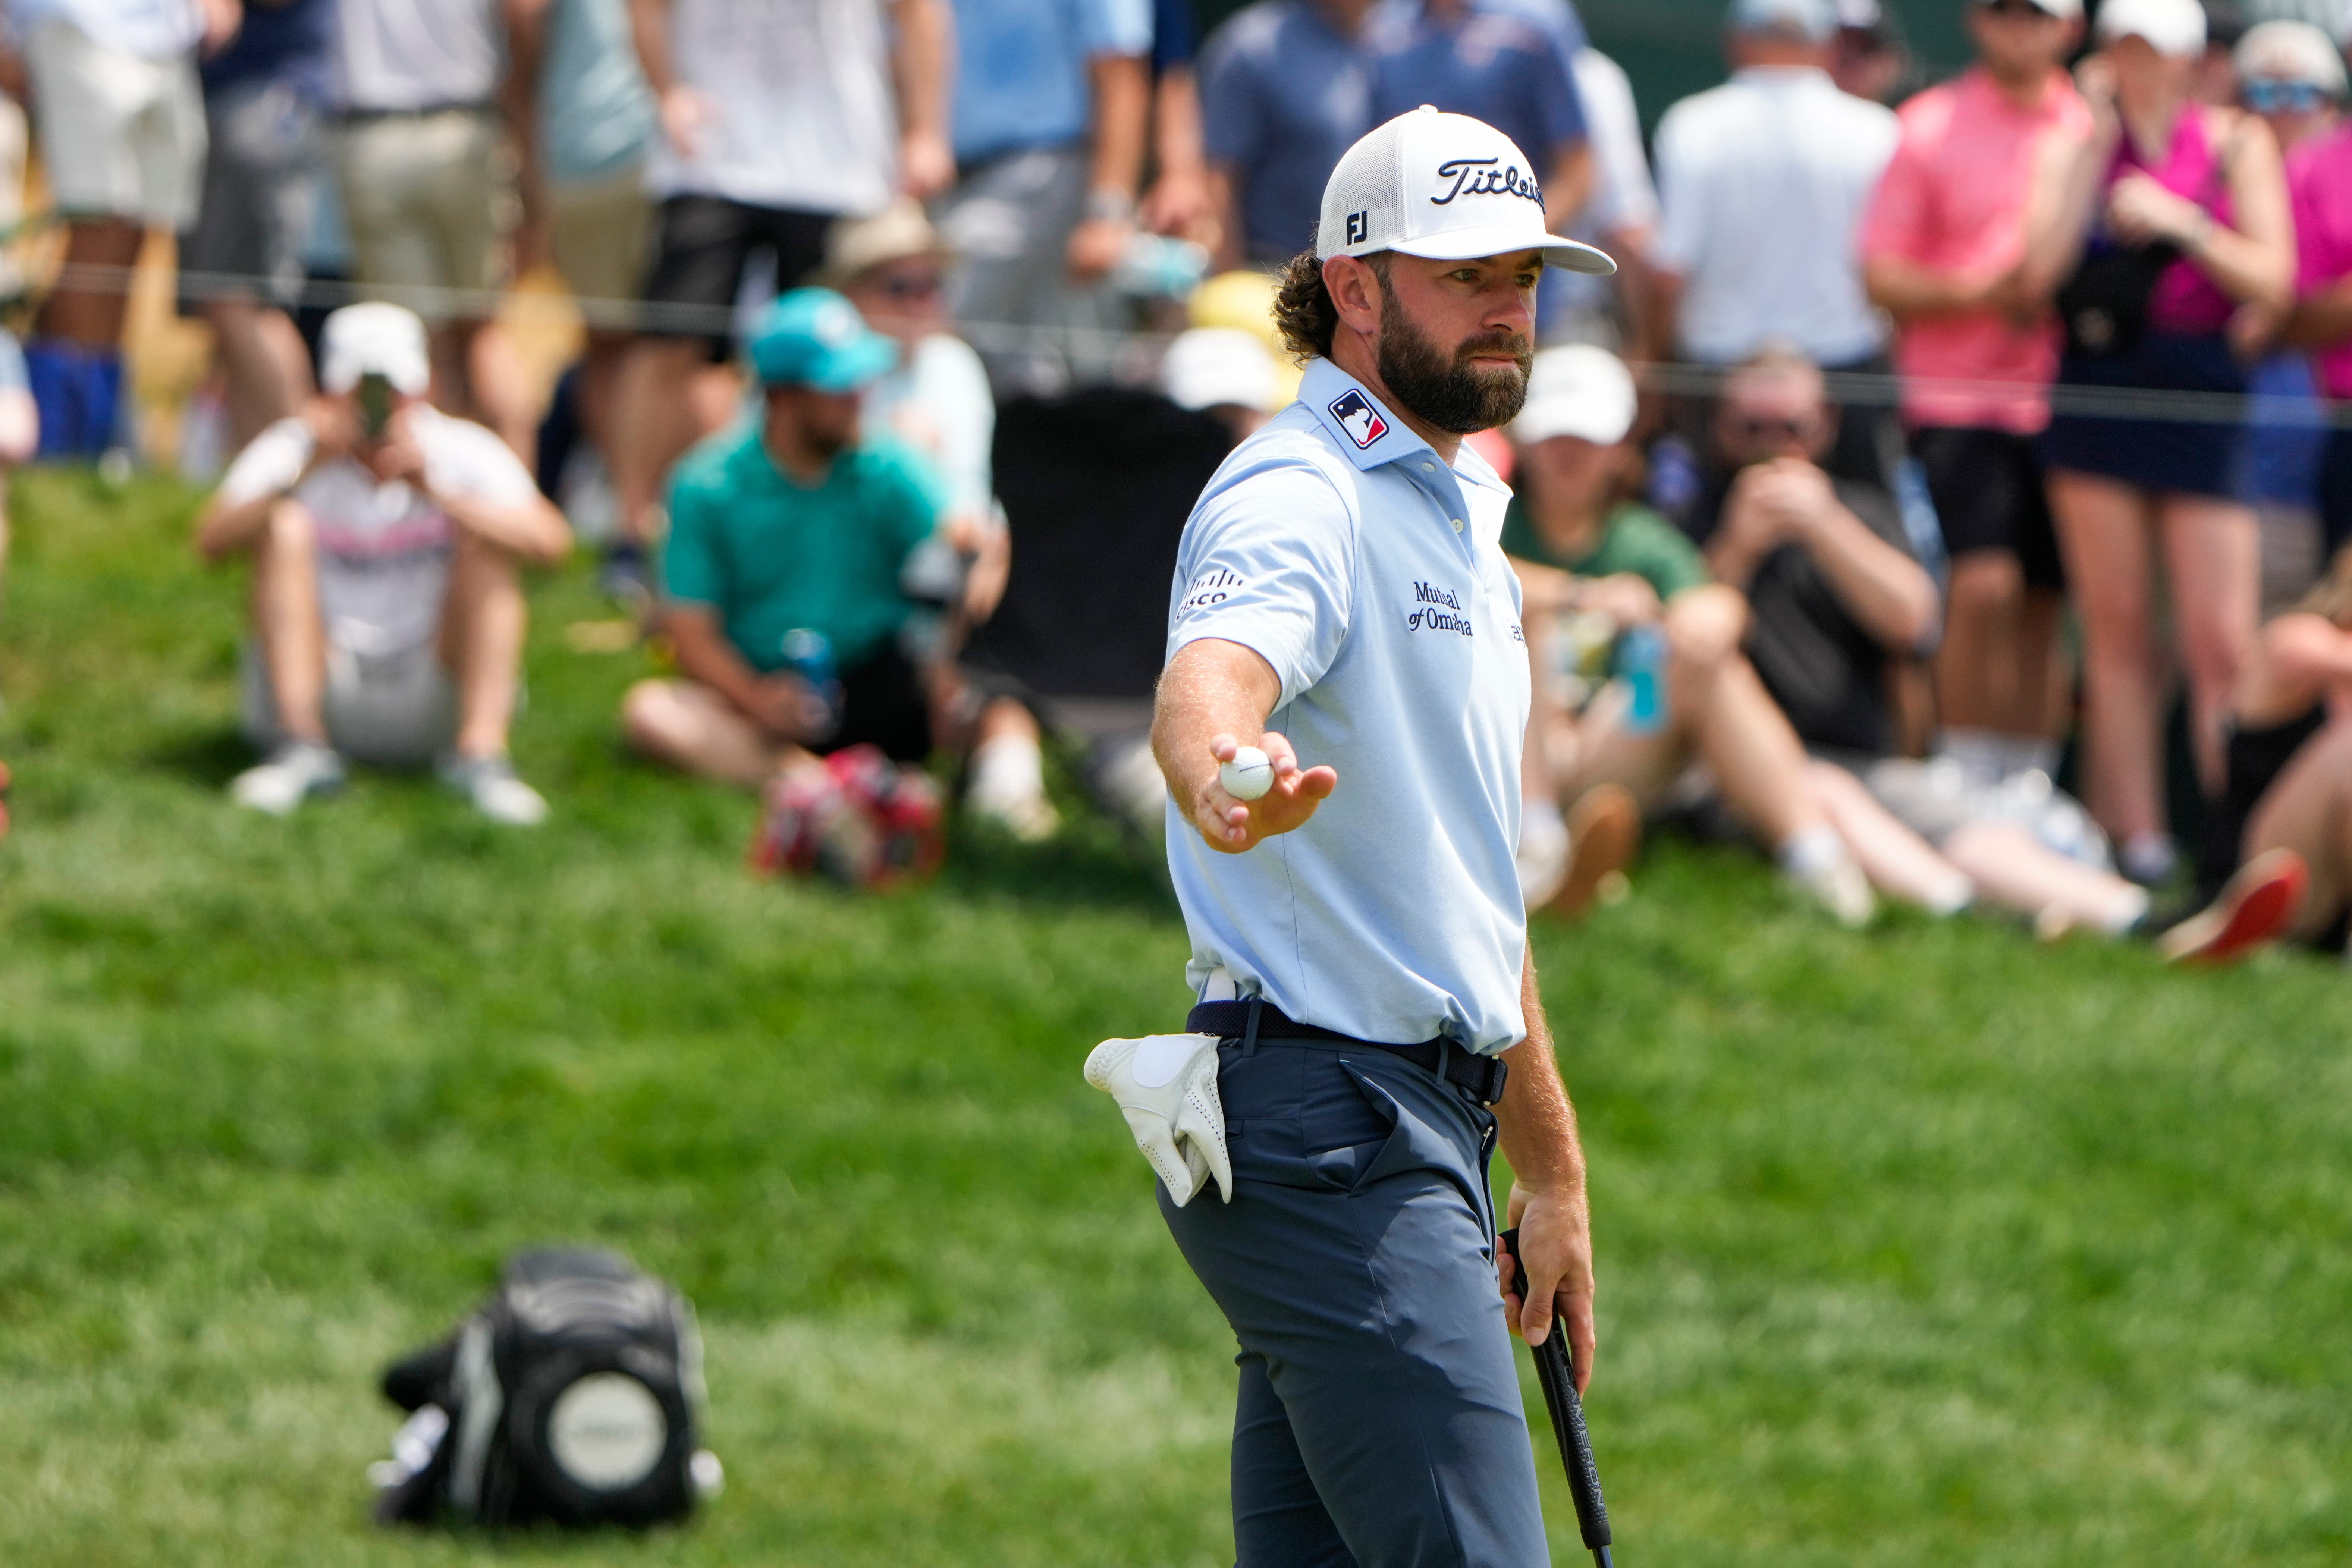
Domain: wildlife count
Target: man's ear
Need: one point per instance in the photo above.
(1355, 291)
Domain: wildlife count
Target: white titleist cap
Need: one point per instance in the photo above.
(2175, 28)
(1577, 390)
(374, 339)
(1445, 186)
(1209, 367)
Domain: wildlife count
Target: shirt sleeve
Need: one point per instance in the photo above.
(1268, 561)
(1560, 101)
(914, 500)
(1114, 27)
(690, 565)
(1878, 511)
(1172, 35)
(467, 460)
(1663, 554)
(270, 462)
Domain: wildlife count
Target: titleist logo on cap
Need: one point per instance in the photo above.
(1484, 177)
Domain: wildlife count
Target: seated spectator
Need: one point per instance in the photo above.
(1593, 566)
(2289, 796)
(388, 612)
(1837, 601)
(1224, 372)
(1285, 87)
(782, 570)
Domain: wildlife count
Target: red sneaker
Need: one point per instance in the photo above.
(2255, 906)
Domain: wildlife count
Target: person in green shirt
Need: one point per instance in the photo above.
(1595, 569)
(787, 538)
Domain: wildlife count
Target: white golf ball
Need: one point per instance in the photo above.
(1248, 776)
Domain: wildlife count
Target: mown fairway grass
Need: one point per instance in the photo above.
(1918, 1247)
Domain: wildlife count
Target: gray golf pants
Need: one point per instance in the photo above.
(1379, 1424)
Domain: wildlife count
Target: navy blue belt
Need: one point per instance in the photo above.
(1480, 1078)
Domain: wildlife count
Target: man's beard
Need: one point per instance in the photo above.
(1449, 392)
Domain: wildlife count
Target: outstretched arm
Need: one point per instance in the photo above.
(1215, 697)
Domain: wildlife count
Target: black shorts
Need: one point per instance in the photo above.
(1989, 493)
(883, 704)
(706, 246)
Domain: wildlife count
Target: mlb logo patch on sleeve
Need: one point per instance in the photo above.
(1358, 417)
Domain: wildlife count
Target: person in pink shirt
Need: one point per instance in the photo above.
(2319, 173)
(1942, 248)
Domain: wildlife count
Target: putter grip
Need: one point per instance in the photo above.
(1556, 1374)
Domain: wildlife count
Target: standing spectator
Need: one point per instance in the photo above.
(427, 182)
(584, 149)
(265, 117)
(1762, 183)
(1871, 61)
(776, 119)
(1178, 200)
(386, 539)
(1621, 216)
(2320, 174)
(788, 538)
(121, 123)
(1285, 87)
(2173, 215)
(1942, 251)
(1052, 104)
(1511, 63)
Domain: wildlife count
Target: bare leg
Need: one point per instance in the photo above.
(2013, 869)
(659, 421)
(1979, 676)
(2045, 693)
(499, 391)
(90, 309)
(600, 389)
(482, 625)
(693, 728)
(2214, 551)
(1756, 758)
(1896, 860)
(267, 365)
(286, 613)
(2309, 811)
(2102, 526)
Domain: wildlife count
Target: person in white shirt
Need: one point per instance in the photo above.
(386, 539)
(1620, 216)
(1762, 183)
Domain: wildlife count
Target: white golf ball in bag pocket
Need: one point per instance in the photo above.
(1248, 776)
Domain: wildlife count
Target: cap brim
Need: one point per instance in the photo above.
(1471, 244)
(856, 364)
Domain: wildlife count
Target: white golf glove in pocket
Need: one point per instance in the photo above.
(1167, 1087)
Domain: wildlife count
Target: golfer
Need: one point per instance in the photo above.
(1358, 941)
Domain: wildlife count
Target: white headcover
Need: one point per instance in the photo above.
(1445, 186)
(2175, 28)
(1577, 390)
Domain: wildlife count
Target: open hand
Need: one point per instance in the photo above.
(1556, 1251)
(1237, 826)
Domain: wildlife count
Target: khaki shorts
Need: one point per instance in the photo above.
(394, 713)
(121, 136)
(430, 201)
(599, 232)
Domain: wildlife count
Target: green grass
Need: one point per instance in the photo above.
(1918, 1247)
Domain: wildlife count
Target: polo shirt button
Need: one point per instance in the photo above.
(1429, 468)
(1458, 525)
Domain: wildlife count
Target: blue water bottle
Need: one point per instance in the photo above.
(809, 654)
(1641, 659)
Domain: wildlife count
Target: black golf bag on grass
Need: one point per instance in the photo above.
(574, 1396)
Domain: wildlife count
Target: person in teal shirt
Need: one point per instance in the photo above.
(781, 574)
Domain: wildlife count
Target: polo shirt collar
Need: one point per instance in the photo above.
(1364, 428)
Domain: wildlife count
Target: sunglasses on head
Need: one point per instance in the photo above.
(2265, 96)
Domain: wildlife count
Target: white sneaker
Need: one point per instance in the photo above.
(491, 785)
(294, 773)
(1839, 887)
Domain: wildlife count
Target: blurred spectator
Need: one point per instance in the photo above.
(265, 116)
(1052, 104)
(1619, 217)
(386, 539)
(1942, 251)
(121, 123)
(782, 572)
(1285, 87)
(1594, 567)
(1763, 182)
(2173, 215)
(776, 119)
(592, 123)
(2214, 79)
(20, 428)
(1511, 63)
(1179, 201)
(2291, 74)
(1224, 372)
(427, 183)
(2319, 173)
(1871, 61)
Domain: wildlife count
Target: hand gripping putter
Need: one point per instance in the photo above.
(1558, 1374)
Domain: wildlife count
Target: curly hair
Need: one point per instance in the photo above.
(1303, 310)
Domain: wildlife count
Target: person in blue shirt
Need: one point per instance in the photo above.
(1053, 100)
(1341, 601)
(1285, 88)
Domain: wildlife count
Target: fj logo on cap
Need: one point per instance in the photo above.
(1359, 228)
(1484, 177)
(1358, 417)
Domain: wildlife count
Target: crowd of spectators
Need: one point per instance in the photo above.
(1885, 401)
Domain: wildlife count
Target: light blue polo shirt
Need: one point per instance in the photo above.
(1370, 575)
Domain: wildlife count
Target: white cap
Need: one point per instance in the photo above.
(2291, 51)
(1577, 390)
(1444, 187)
(375, 340)
(2064, 10)
(2175, 28)
(1209, 367)
(1812, 21)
